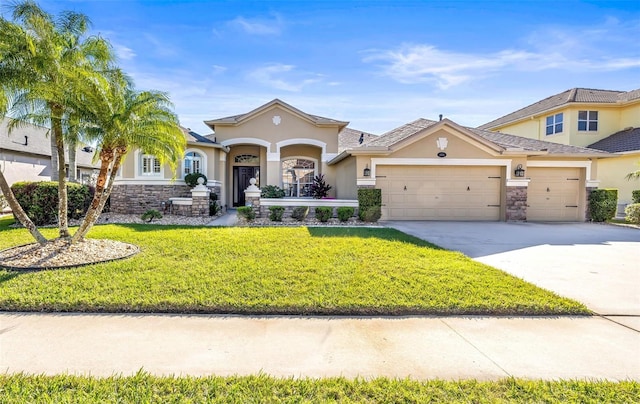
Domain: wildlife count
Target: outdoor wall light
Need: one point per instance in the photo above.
(519, 172)
(367, 171)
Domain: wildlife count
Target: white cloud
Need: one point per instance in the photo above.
(259, 26)
(597, 48)
(217, 69)
(123, 52)
(283, 77)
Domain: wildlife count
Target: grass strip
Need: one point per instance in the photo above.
(144, 388)
(330, 270)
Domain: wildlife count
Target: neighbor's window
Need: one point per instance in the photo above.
(192, 163)
(588, 121)
(297, 177)
(149, 164)
(554, 124)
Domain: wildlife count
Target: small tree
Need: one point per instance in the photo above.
(319, 188)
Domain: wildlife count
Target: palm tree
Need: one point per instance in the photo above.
(124, 119)
(634, 175)
(41, 61)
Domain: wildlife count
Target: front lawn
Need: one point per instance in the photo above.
(143, 388)
(300, 270)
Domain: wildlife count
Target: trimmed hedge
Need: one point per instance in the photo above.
(276, 213)
(603, 204)
(369, 204)
(324, 213)
(345, 213)
(635, 196)
(40, 200)
(632, 213)
(192, 179)
(246, 212)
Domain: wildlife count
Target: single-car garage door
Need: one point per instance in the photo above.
(440, 193)
(554, 194)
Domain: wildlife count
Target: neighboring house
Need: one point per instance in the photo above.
(427, 170)
(25, 155)
(601, 119)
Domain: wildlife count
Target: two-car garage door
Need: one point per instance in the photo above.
(440, 193)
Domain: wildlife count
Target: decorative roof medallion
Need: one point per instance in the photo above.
(276, 120)
(442, 143)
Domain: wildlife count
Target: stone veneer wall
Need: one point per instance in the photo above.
(137, 199)
(516, 205)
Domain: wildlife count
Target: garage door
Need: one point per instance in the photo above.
(439, 193)
(553, 194)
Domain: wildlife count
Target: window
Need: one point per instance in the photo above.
(554, 124)
(588, 121)
(297, 177)
(247, 159)
(150, 165)
(192, 163)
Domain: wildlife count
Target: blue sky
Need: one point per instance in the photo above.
(377, 64)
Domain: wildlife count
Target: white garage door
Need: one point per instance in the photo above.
(439, 193)
(553, 194)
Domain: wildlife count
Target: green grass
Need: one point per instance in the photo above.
(300, 270)
(143, 388)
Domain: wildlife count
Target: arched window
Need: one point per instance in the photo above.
(192, 163)
(247, 159)
(297, 176)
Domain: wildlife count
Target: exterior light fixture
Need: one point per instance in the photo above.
(367, 171)
(519, 172)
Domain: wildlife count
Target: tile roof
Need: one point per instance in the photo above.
(192, 136)
(502, 140)
(348, 138)
(624, 141)
(574, 95)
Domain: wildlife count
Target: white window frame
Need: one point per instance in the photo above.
(556, 120)
(201, 161)
(298, 184)
(155, 166)
(588, 121)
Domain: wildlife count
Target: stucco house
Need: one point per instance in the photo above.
(25, 155)
(605, 120)
(427, 170)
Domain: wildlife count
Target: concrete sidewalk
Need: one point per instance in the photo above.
(483, 348)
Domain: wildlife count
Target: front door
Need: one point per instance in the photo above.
(241, 177)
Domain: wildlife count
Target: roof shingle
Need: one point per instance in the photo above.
(624, 141)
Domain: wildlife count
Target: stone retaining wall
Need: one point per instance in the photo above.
(137, 199)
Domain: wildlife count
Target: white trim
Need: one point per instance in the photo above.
(565, 163)
(313, 142)
(592, 183)
(204, 169)
(181, 201)
(246, 140)
(519, 182)
(159, 181)
(138, 167)
(365, 182)
(439, 162)
(326, 157)
(308, 202)
(273, 156)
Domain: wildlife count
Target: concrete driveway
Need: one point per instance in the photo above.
(596, 264)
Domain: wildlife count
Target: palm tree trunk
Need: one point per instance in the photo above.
(73, 166)
(18, 212)
(107, 156)
(54, 156)
(63, 227)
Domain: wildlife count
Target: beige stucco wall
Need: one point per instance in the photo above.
(291, 126)
(613, 172)
(345, 179)
(19, 167)
(630, 116)
(458, 146)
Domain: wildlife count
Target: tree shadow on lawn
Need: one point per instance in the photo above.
(367, 232)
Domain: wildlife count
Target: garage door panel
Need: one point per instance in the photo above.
(554, 194)
(440, 193)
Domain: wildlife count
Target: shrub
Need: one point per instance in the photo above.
(368, 198)
(603, 204)
(192, 179)
(319, 188)
(275, 213)
(633, 213)
(300, 212)
(345, 213)
(246, 212)
(324, 213)
(371, 214)
(214, 208)
(151, 214)
(635, 196)
(272, 191)
(40, 200)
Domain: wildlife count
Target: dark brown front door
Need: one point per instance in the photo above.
(241, 177)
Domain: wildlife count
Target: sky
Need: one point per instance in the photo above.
(377, 64)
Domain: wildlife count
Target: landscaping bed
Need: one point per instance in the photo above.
(289, 270)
